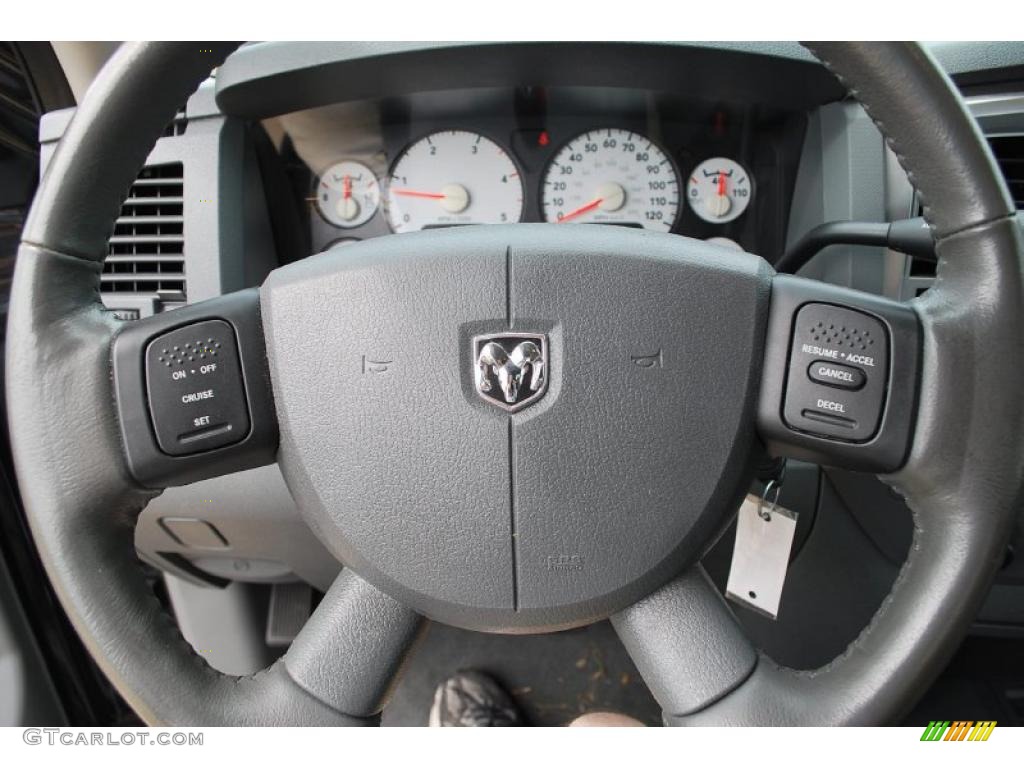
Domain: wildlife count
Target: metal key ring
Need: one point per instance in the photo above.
(773, 488)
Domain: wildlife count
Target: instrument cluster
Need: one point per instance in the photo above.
(602, 176)
(718, 173)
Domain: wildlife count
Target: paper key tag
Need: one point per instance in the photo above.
(761, 555)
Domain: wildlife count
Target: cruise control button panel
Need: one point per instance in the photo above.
(195, 389)
(838, 373)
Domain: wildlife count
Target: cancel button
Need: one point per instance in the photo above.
(835, 375)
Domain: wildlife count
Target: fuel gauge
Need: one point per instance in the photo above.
(348, 194)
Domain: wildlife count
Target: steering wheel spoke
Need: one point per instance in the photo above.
(193, 392)
(840, 378)
(351, 652)
(686, 643)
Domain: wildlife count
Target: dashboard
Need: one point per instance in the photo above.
(610, 156)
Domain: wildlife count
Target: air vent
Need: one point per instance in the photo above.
(146, 254)
(1009, 152)
(177, 126)
(19, 115)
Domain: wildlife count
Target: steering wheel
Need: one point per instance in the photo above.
(518, 429)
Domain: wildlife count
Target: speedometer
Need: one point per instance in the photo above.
(612, 176)
(451, 178)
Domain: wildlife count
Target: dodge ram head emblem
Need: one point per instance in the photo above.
(510, 369)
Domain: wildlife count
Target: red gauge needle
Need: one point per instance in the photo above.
(346, 187)
(581, 210)
(721, 184)
(415, 193)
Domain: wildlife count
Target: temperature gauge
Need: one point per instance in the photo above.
(348, 194)
(719, 190)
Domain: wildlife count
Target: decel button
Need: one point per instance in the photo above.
(836, 375)
(196, 394)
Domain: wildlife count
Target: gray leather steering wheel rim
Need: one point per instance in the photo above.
(962, 477)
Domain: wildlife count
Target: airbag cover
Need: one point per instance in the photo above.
(612, 481)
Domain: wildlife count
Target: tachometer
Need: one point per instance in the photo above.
(451, 178)
(719, 190)
(612, 176)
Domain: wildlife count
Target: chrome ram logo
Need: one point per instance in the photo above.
(511, 369)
